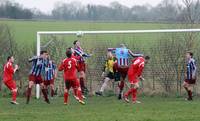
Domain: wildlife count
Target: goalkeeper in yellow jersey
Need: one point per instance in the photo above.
(107, 72)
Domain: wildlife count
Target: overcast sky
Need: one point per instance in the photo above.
(47, 5)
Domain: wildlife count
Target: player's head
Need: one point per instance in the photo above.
(122, 45)
(70, 48)
(10, 59)
(76, 43)
(44, 54)
(147, 58)
(189, 55)
(109, 55)
(48, 56)
(69, 53)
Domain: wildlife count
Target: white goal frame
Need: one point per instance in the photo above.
(39, 33)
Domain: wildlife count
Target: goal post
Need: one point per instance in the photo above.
(83, 33)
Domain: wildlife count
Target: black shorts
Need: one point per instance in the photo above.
(190, 81)
(117, 76)
(110, 75)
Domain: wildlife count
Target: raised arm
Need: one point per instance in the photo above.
(111, 49)
(134, 55)
(33, 58)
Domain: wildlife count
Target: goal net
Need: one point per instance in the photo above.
(165, 71)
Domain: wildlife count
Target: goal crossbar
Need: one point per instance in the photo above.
(109, 32)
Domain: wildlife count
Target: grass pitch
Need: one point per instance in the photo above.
(101, 109)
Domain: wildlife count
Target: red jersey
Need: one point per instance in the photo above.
(8, 72)
(136, 67)
(76, 57)
(69, 67)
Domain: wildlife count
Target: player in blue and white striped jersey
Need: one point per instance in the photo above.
(50, 75)
(190, 75)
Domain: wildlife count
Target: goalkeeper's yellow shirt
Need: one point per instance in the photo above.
(109, 65)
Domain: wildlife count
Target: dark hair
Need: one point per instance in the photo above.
(69, 48)
(8, 58)
(147, 57)
(190, 53)
(69, 53)
(75, 42)
(42, 52)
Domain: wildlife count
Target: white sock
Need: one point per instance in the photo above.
(104, 84)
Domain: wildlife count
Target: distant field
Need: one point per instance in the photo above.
(25, 31)
(102, 109)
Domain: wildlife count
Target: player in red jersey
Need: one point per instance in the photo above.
(8, 73)
(134, 74)
(69, 66)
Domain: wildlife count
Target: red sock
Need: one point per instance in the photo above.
(128, 92)
(52, 92)
(190, 94)
(134, 94)
(121, 86)
(14, 95)
(28, 94)
(66, 97)
(44, 91)
(82, 83)
(79, 94)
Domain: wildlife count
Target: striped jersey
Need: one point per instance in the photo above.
(79, 52)
(191, 68)
(50, 70)
(38, 64)
(122, 55)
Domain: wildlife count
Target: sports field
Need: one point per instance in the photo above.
(25, 31)
(102, 109)
(96, 108)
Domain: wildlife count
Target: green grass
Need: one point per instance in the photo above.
(102, 109)
(25, 31)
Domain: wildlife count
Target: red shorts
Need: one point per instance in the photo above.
(71, 83)
(35, 79)
(132, 79)
(11, 84)
(190, 81)
(48, 82)
(81, 67)
(122, 70)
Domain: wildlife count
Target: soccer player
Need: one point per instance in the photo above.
(8, 73)
(37, 74)
(134, 74)
(69, 66)
(78, 51)
(50, 75)
(122, 54)
(190, 76)
(108, 69)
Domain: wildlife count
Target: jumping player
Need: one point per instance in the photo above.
(50, 75)
(134, 74)
(8, 73)
(122, 54)
(78, 51)
(69, 66)
(190, 76)
(36, 74)
(108, 69)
